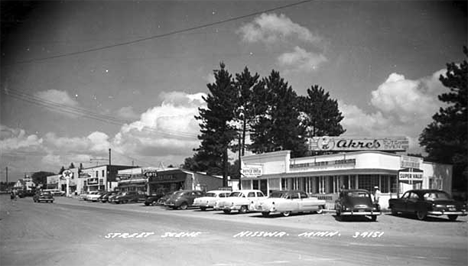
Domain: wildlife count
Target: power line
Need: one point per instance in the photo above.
(158, 36)
(20, 95)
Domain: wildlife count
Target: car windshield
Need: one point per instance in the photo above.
(358, 194)
(46, 193)
(277, 194)
(436, 196)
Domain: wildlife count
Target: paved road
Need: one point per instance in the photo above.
(73, 232)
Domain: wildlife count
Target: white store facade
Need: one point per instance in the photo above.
(371, 162)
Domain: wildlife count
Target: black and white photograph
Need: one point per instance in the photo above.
(233, 132)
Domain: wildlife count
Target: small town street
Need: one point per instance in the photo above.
(74, 232)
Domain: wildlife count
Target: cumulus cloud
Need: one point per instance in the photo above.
(403, 107)
(271, 28)
(168, 129)
(301, 60)
(14, 139)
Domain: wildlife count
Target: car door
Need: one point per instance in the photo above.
(400, 204)
(412, 202)
(306, 204)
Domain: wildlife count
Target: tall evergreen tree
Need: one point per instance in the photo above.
(446, 138)
(217, 130)
(278, 127)
(321, 115)
(247, 86)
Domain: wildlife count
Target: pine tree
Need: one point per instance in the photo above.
(278, 126)
(217, 130)
(321, 115)
(446, 138)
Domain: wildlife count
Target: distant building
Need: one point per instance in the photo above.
(25, 184)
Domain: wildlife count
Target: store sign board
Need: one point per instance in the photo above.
(326, 143)
(251, 171)
(321, 165)
(413, 176)
(92, 181)
(411, 162)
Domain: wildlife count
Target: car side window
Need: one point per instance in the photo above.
(251, 194)
(294, 196)
(406, 195)
(260, 194)
(414, 196)
(303, 195)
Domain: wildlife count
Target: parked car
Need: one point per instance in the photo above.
(153, 199)
(105, 197)
(242, 201)
(129, 196)
(183, 199)
(210, 199)
(287, 202)
(356, 202)
(428, 202)
(45, 196)
(93, 196)
(163, 199)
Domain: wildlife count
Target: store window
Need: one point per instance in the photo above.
(255, 184)
(102, 173)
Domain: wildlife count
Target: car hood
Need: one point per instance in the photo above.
(354, 201)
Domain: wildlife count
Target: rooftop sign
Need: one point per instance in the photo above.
(358, 144)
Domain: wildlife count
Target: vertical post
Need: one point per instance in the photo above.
(240, 163)
(108, 172)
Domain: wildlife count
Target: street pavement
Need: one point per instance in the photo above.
(75, 232)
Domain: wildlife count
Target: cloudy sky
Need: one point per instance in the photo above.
(81, 77)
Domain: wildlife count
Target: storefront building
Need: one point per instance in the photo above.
(157, 181)
(101, 178)
(356, 164)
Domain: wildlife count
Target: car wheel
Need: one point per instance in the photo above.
(320, 210)
(174, 208)
(452, 217)
(154, 203)
(374, 218)
(266, 214)
(227, 211)
(147, 203)
(183, 206)
(286, 214)
(203, 208)
(243, 209)
(421, 215)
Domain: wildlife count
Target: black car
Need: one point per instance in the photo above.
(45, 196)
(356, 202)
(153, 199)
(427, 202)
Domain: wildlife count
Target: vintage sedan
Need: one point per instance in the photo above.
(44, 196)
(210, 199)
(128, 196)
(356, 202)
(427, 202)
(241, 201)
(93, 196)
(183, 199)
(287, 202)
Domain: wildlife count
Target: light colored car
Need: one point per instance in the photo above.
(242, 201)
(93, 196)
(290, 201)
(210, 199)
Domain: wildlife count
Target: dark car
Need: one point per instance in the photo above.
(427, 202)
(163, 199)
(45, 196)
(105, 196)
(153, 199)
(356, 202)
(183, 199)
(129, 196)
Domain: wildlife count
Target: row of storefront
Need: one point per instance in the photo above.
(361, 168)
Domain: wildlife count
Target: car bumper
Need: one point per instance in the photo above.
(460, 213)
(361, 213)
